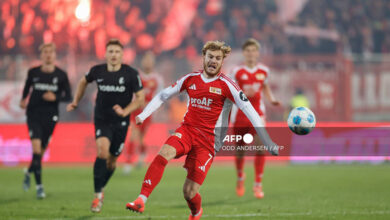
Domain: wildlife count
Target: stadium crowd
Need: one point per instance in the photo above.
(355, 26)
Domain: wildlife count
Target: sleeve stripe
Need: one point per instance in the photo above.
(188, 75)
(183, 78)
(231, 82)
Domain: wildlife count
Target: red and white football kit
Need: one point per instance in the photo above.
(250, 80)
(152, 83)
(200, 135)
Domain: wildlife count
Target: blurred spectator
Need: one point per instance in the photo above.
(360, 26)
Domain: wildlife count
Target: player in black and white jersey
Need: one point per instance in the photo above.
(116, 83)
(50, 85)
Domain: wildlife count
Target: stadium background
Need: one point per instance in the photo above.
(335, 51)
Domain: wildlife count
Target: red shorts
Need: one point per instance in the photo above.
(145, 124)
(199, 148)
(243, 127)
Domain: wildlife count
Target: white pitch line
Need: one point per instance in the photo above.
(385, 212)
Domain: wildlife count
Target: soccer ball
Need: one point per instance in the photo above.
(301, 120)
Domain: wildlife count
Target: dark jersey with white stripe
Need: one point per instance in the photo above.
(113, 88)
(41, 82)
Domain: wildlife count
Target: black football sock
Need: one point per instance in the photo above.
(108, 176)
(31, 167)
(99, 174)
(37, 168)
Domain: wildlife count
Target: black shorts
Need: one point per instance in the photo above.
(115, 132)
(41, 126)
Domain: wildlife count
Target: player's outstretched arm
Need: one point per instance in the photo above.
(157, 101)
(134, 105)
(242, 102)
(81, 86)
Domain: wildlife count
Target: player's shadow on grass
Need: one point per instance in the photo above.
(85, 217)
(217, 202)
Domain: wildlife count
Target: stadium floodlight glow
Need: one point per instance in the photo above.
(83, 10)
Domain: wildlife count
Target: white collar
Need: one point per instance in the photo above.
(251, 70)
(207, 80)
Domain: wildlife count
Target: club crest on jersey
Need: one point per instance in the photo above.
(243, 96)
(55, 80)
(260, 76)
(121, 80)
(215, 90)
(244, 77)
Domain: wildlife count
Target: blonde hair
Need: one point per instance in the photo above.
(216, 45)
(42, 46)
(250, 42)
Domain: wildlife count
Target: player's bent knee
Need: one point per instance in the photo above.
(36, 145)
(102, 155)
(189, 192)
(103, 146)
(168, 152)
(190, 189)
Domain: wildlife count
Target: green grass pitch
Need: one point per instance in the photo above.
(291, 192)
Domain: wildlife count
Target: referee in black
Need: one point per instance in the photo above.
(116, 83)
(49, 85)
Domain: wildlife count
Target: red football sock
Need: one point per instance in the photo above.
(240, 167)
(259, 168)
(153, 175)
(194, 204)
(130, 152)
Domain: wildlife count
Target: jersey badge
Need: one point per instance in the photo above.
(243, 96)
(215, 90)
(260, 76)
(121, 80)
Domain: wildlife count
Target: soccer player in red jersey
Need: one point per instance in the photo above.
(252, 77)
(210, 97)
(152, 83)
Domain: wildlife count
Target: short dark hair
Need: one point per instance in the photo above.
(114, 42)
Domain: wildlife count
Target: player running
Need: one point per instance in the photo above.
(50, 86)
(252, 78)
(210, 95)
(116, 83)
(152, 82)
